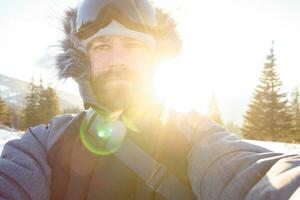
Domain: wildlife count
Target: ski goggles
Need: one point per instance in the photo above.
(93, 15)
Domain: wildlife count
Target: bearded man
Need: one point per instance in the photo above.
(118, 147)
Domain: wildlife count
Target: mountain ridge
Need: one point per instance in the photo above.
(14, 92)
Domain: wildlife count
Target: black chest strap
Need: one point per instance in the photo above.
(152, 172)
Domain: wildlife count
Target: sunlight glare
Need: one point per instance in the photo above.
(181, 86)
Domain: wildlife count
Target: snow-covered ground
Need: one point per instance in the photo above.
(6, 135)
(279, 147)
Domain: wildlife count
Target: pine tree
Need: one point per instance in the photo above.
(295, 111)
(49, 105)
(3, 112)
(214, 112)
(31, 110)
(268, 116)
(43, 103)
(233, 128)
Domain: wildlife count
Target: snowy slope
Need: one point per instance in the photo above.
(6, 135)
(278, 146)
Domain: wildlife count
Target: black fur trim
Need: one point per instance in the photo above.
(73, 61)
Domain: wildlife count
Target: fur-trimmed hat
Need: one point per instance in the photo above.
(72, 61)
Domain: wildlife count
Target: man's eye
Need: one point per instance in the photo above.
(101, 46)
(134, 44)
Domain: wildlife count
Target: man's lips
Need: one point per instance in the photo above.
(117, 81)
(118, 78)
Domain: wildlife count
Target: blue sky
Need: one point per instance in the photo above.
(225, 43)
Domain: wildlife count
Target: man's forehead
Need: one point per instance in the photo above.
(111, 38)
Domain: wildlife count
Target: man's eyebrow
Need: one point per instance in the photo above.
(105, 39)
(100, 39)
(97, 40)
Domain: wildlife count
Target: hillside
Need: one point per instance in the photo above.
(14, 92)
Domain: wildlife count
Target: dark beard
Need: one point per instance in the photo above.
(118, 88)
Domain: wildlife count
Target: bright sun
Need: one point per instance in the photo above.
(182, 86)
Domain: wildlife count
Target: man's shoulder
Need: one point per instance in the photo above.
(60, 121)
(59, 124)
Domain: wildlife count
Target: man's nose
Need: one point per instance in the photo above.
(119, 56)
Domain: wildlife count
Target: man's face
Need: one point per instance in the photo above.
(121, 68)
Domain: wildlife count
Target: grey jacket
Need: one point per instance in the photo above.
(220, 165)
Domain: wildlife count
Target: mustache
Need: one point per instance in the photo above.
(115, 73)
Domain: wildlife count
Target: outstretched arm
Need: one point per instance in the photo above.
(24, 171)
(221, 166)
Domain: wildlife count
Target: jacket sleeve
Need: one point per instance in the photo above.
(221, 166)
(24, 170)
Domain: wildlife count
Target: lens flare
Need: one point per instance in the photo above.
(102, 138)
